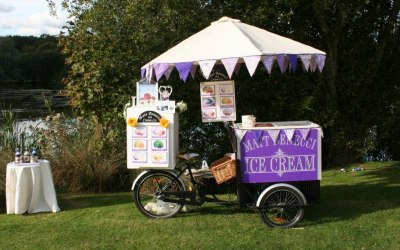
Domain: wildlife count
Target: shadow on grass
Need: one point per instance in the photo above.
(67, 201)
(375, 189)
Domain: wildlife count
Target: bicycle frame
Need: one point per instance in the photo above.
(195, 197)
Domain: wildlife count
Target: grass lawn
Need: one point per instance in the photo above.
(357, 210)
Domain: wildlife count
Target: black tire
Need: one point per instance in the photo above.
(147, 194)
(282, 207)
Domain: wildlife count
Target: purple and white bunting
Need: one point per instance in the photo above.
(293, 62)
(289, 133)
(273, 133)
(321, 62)
(240, 133)
(193, 70)
(321, 132)
(305, 59)
(258, 133)
(230, 64)
(304, 132)
(282, 62)
(313, 63)
(160, 69)
(168, 72)
(206, 67)
(268, 62)
(142, 72)
(184, 69)
(237, 68)
(251, 63)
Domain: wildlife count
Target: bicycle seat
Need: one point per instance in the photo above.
(188, 156)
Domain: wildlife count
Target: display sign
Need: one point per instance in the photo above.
(149, 116)
(268, 159)
(147, 94)
(150, 145)
(218, 101)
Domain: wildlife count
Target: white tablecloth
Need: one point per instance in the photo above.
(30, 188)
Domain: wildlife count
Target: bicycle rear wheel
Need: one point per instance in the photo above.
(283, 207)
(150, 190)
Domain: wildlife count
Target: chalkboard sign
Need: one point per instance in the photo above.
(149, 116)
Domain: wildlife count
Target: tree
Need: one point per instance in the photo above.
(109, 41)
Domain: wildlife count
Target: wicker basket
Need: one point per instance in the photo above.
(223, 169)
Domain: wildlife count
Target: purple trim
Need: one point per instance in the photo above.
(184, 69)
(281, 58)
(263, 160)
(293, 62)
(160, 69)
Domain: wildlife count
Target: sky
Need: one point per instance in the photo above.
(29, 18)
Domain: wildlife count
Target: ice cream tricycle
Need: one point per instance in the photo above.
(275, 166)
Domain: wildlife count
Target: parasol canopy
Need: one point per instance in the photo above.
(230, 42)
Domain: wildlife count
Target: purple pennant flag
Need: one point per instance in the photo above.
(251, 63)
(168, 72)
(184, 69)
(321, 62)
(305, 59)
(304, 132)
(293, 62)
(142, 72)
(230, 64)
(273, 133)
(193, 70)
(268, 62)
(160, 69)
(282, 62)
(257, 134)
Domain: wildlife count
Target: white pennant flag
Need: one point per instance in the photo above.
(193, 70)
(206, 67)
(167, 73)
(304, 132)
(321, 62)
(251, 63)
(289, 133)
(229, 64)
(268, 62)
(313, 63)
(321, 132)
(305, 59)
(240, 133)
(273, 134)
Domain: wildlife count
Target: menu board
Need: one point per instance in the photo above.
(218, 101)
(150, 144)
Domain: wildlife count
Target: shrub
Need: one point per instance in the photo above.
(81, 159)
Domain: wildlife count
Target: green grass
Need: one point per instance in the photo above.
(357, 210)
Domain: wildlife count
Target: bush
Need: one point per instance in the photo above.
(81, 158)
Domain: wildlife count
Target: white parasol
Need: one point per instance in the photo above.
(231, 42)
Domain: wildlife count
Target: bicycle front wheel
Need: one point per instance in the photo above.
(150, 190)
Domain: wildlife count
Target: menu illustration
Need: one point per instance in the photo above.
(218, 101)
(150, 144)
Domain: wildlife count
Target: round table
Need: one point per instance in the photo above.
(30, 188)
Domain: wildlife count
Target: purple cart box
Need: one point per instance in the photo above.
(285, 152)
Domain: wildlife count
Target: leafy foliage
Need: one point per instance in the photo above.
(108, 42)
(30, 62)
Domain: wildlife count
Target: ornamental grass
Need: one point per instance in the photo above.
(84, 156)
